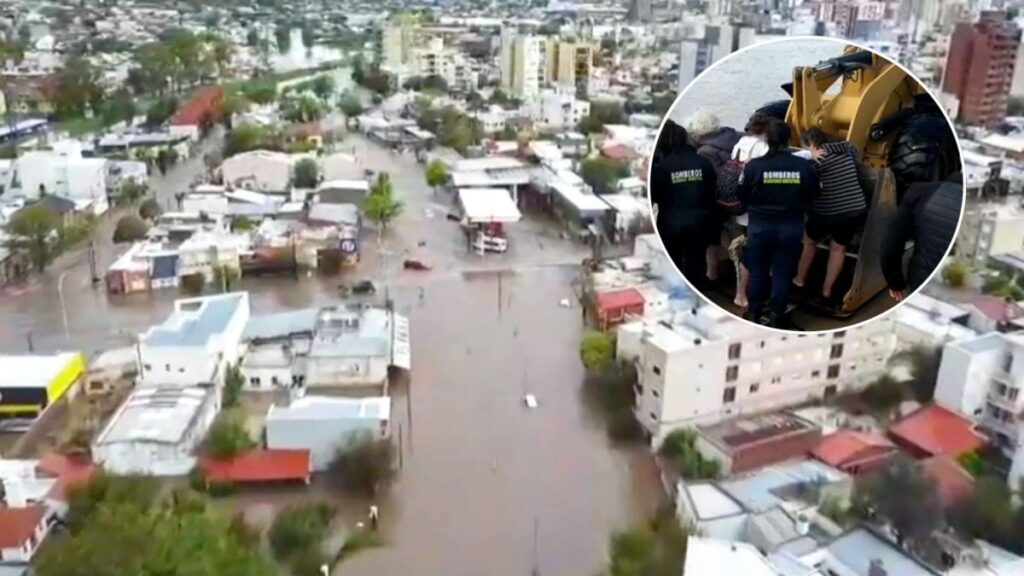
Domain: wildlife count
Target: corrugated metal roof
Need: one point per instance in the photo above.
(857, 549)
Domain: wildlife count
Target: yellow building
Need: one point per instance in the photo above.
(571, 63)
(29, 384)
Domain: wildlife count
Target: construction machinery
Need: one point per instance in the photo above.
(901, 134)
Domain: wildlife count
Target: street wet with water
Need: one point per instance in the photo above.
(487, 486)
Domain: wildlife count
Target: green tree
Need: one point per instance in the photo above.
(955, 273)
(85, 501)
(655, 549)
(246, 137)
(602, 113)
(261, 92)
(296, 528)
(597, 350)
(913, 520)
(120, 107)
(77, 88)
(232, 103)
(227, 437)
(33, 230)
(307, 173)
(323, 86)
(161, 110)
(365, 465)
(680, 449)
(351, 107)
(233, 382)
(130, 228)
(436, 174)
(303, 108)
(883, 395)
(602, 173)
(282, 34)
(380, 205)
(149, 209)
(989, 513)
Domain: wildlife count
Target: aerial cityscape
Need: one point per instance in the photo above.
(328, 287)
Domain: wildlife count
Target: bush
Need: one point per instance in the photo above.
(193, 284)
(241, 224)
(227, 437)
(149, 209)
(307, 561)
(365, 466)
(597, 350)
(307, 173)
(296, 528)
(610, 393)
(680, 449)
(130, 228)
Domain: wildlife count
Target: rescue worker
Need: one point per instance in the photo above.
(683, 194)
(928, 215)
(776, 190)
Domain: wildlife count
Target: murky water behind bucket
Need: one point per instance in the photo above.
(743, 83)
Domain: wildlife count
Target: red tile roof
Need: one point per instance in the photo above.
(951, 481)
(69, 472)
(936, 431)
(619, 299)
(995, 308)
(17, 525)
(847, 447)
(619, 152)
(203, 103)
(259, 466)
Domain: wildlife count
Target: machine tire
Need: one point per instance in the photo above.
(776, 109)
(924, 151)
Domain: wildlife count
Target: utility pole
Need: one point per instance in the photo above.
(92, 262)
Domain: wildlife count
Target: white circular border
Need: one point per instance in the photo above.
(844, 43)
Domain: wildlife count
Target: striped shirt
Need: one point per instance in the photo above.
(841, 195)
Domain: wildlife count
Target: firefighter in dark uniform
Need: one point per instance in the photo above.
(776, 190)
(683, 194)
(928, 215)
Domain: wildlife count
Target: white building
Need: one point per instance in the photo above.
(353, 348)
(259, 170)
(62, 172)
(926, 321)
(706, 556)
(557, 108)
(990, 230)
(202, 252)
(453, 66)
(196, 342)
(156, 431)
(275, 348)
(709, 366)
(524, 68)
(323, 424)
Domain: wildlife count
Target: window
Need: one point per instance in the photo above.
(776, 379)
(653, 416)
(654, 393)
(1012, 393)
(762, 343)
(734, 351)
(833, 371)
(730, 395)
(167, 367)
(755, 387)
(147, 367)
(830, 391)
(732, 373)
(816, 374)
(839, 334)
(1008, 363)
(837, 351)
(656, 370)
(255, 381)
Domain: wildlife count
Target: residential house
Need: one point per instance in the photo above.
(61, 172)
(343, 191)
(258, 467)
(855, 452)
(752, 442)
(926, 321)
(196, 342)
(275, 348)
(259, 170)
(323, 424)
(741, 369)
(156, 430)
(29, 93)
(353, 349)
(197, 114)
(935, 431)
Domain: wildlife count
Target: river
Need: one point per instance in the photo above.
(299, 57)
(744, 81)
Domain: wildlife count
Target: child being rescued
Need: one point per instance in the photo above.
(837, 212)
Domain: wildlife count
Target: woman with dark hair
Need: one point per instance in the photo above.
(776, 190)
(683, 195)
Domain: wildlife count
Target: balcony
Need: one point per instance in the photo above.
(1002, 401)
(1003, 377)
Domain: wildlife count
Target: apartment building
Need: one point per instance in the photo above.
(989, 230)
(557, 108)
(453, 66)
(979, 67)
(572, 64)
(524, 64)
(703, 365)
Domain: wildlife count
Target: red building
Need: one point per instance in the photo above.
(201, 110)
(855, 452)
(979, 69)
(934, 431)
(612, 307)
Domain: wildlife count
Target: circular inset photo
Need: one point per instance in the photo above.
(806, 184)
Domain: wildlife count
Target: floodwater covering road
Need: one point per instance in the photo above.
(480, 469)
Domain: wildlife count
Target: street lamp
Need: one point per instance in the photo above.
(63, 308)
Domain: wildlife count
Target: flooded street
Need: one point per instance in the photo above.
(480, 470)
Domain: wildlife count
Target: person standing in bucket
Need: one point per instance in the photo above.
(683, 194)
(776, 190)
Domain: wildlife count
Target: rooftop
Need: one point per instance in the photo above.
(856, 549)
(847, 447)
(767, 487)
(347, 332)
(488, 205)
(937, 431)
(159, 414)
(333, 408)
(17, 525)
(709, 502)
(195, 320)
(615, 299)
(281, 325)
(705, 557)
(259, 466)
(745, 431)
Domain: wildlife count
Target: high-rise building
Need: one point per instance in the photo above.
(571, 63)
(694, 57)
(640, 11)
(979, 68)
(524, 64)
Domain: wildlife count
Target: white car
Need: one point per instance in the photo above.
(530, 400)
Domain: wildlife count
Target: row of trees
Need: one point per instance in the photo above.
(453, 128)
(179, 59)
